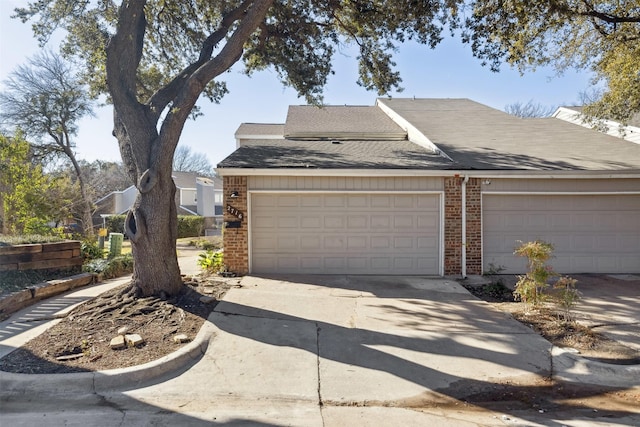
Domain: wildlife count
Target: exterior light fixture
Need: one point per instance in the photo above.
(234, 195)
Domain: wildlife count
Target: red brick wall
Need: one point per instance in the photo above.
(236, 240)
(474, 227)
(453, 226)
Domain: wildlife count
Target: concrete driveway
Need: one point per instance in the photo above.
(356, 350)
(343, 351)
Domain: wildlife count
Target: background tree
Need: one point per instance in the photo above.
(529, 109)
(160, 56)
(103, 177)
(185, 160)
(22, 184)
(601, 36)
(45, 99)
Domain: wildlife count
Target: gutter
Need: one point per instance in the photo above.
(464, 226)
(489, 174)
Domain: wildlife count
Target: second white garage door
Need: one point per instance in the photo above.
(590, 233)
(392, 234)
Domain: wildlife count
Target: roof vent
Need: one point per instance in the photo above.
(335, 141)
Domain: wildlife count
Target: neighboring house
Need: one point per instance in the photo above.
(194, 196)
(630, 131)
(427, 187)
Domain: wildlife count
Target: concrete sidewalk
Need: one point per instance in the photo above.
(334, 351)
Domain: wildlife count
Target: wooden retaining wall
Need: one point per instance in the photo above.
(40, 256)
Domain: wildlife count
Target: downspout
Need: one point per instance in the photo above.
(464, 226)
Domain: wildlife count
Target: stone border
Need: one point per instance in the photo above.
(20, 299)
(101, 381)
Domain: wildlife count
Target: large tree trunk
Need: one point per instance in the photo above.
(152, 227)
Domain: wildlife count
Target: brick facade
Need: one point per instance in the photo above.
(236, 240)
(474, 227)
(453, 226)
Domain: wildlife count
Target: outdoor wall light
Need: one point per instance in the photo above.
(487, 182)
(234, 194)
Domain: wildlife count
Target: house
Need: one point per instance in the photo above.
(630, 131)
(427, 187)
(195, 195)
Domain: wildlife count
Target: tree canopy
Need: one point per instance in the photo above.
(603, 37)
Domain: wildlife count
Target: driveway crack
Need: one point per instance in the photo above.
(320, 402)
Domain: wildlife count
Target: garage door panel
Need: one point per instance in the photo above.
(310, 242)
(334, 221)
(427, 244)
(358, 221)
(357, 201)
(403, 221)
(357, 242)
(357, 234)
(287, 201)
(590, 234)
(380, 222)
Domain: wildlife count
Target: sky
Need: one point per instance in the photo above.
(448, 71)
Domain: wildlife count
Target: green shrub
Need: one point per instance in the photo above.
(115, 223)
(207, 243)
(190, 226)
(532, 287)
(565, 296)
(90, 250)
(110, 268)
(212, 262)
(24, 239)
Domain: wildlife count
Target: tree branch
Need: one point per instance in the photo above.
(197, 81)
(166, 94)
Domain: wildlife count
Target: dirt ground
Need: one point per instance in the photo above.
(579, 335)
(81, 341)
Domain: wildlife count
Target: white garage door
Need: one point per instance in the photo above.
(590, 233)
(345, 233)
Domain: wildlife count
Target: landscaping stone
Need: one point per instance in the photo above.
(69, 357)
(117, 343)
(181, 338)
(134, 340)
(123, 330)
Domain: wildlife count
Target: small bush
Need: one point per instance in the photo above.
(207, 243)
(565, 296)
(190, 226)
(110, 268)
(212, 262)
(25, 239)
(532, 287)
(90, 250)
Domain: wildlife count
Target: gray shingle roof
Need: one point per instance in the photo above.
(260, 129)
(349, 154)
(341, 122)
(184, 179)
(481, 137)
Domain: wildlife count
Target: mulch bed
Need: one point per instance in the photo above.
(81, 341)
